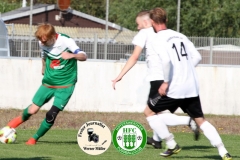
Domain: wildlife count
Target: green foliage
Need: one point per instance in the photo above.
(212, 18)
(125, 14)
(216, 18)
(6, 6)
(96, 8)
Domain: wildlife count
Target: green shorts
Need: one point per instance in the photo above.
(61, 96)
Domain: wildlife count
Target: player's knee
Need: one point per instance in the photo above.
(148, 112)
(199, 121)
(52, 114)
(145, 112)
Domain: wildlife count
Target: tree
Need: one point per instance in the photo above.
(216, 18)
(6, 5)
(92, 7)
(124, 12)
(211, 18)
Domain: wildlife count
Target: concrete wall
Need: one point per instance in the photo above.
(20, 78)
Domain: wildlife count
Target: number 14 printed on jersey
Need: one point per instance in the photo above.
(182, 51)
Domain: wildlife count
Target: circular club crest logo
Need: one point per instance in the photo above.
(94, 137)
(129, 137)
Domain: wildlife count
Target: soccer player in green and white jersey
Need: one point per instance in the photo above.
(59, 58)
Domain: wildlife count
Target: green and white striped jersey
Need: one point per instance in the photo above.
(60, 72)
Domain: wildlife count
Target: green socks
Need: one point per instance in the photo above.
(25, 114)
(44, 127)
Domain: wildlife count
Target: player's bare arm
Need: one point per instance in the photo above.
(43, 65)
(81, 56)
(130, 63)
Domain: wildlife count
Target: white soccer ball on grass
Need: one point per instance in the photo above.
(8, 135)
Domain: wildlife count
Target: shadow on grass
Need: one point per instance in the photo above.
(203, 148)
(58, 142)
(197, 147)
(32, 158)
(216, 157)
(203, 157)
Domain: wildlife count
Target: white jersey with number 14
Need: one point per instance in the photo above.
(179, 58)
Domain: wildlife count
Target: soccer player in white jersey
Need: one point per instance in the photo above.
(60, 56)
(155, 73)
(180, 87)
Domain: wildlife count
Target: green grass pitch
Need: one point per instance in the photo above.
(62, 145)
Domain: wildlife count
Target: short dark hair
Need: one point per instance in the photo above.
(158, 15)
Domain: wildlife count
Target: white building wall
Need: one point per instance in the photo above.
(20, 79)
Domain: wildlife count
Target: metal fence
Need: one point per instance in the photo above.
(20, 48)
(219, 51)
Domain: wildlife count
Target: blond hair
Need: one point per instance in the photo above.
(144, 15)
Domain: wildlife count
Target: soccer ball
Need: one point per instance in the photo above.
(8, 135)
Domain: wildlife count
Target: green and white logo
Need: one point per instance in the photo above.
(129, 137)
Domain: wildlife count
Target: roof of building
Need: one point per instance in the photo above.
(22, 31)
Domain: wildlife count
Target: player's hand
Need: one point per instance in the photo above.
(163, 89)
(115, 81)
(66, 55)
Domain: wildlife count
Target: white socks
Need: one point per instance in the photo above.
(171, 120)
(161, 129)
(155, 137)
(159, 125)
(174, 120)
(211, 133)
